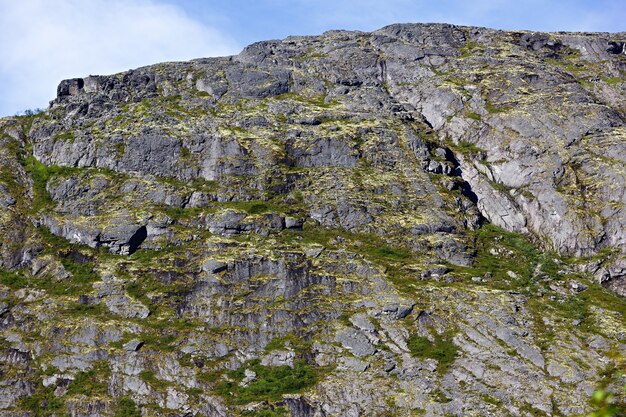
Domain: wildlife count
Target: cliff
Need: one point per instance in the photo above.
(421, 220)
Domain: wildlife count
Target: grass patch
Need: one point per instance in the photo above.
(499, 251)
(42, 402)
(386, 253)
(93, 382)
(126, 407)
(210, 377)
(474, 116)
(164, 343)
(40, 174)
(612, 80)
(255, 207)
(299, 344)
(178, 213)
(468, 49)
(467, 148)
(150, 378)
(443, 350)
(82, 273)
(270, 383)
(76, 309)
(493, 108)
(578, 306)
(318, 100)
(12, 280)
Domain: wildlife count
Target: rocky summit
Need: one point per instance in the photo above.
(424, 220)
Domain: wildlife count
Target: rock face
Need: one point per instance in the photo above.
(420, 220)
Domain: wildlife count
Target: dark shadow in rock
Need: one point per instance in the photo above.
(467, 191)
(615, 47)
(137, 239)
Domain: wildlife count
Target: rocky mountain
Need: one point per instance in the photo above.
(424, 220)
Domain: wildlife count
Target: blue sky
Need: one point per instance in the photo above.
(45, 41)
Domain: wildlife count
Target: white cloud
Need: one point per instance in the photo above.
(45, 41)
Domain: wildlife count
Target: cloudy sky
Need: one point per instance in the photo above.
(45, 41)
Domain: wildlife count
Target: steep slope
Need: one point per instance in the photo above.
(420, 220)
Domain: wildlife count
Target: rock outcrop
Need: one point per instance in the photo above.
(420, 220)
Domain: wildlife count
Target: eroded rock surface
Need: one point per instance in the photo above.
(420, 220)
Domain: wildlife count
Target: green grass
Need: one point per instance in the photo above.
(267, 412)
(493, 108)
(297, 343)
(126, 407)
(317, 101)
(210, 376)
(440, 397)
(468, 49)
(612, 80)
(7, 176)
(255, 207)
(270, 384)
(515, 252)
(12, 280)
(386, 253)
(474, 116)
(467, 148)
(40, 174)
(150, 378)
(67, 136)
(82, 273)
(371, 246)
(93, 382)
(76, 309)
(83, 276)
(43, 402)
(489, 399)
(578, 306)
(443, 350)
(163, 343)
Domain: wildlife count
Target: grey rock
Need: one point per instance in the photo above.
(356, 342)
(293, 223)
(12, 390)
(213, 266)
(577, 286)
(279, 358)
(126, 306)
(249, 376)
(354, 364)
(6, 199)
(133, 345)
(314, 251)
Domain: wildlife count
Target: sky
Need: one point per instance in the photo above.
(45, 41)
